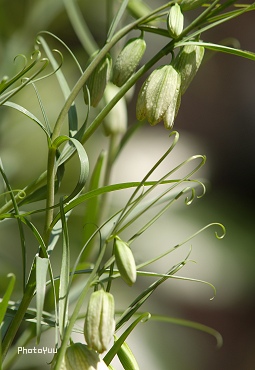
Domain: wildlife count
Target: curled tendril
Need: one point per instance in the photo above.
(62, 42)
(21, 193)
(189, 200)
(21, 56)
(55, 69)
(36, 58)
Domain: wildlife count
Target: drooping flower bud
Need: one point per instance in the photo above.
(116, 120)
(79, 357)
(158, 97)
(125, 261)
(175, 21)
(187, 64)
(128, 60)
(99, 322)
(98, 80)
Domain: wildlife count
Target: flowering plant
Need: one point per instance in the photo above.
(85, 284)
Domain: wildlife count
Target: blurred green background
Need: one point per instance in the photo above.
(216, 118)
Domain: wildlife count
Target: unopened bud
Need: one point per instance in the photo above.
(128, 60)
(79, 356)
(158, 94)
(125, 261)
(99, 322)
(175, 21)
(98, 80)
(116, 120)
(187, 64)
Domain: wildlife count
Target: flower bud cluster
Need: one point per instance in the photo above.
(160, 95)
(187, 64)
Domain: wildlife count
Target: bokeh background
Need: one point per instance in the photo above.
(216, 118)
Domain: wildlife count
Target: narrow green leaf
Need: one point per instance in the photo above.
(102, 190)
(72, 113)
(115, 348)
(141, 298)
(224, 18)
(64, 274)
(84, 163)
(221, 48)
(28, 114)
(92, 208)
(190, 324)
(42, 265)
(117, 19)
(5, 300)
(44, 114)
(20, 226)
(80, 27)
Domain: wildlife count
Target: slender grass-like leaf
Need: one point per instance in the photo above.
(7, 295)
(184, 242)
(64, 274)
(20, 226)
(190, 324)
(91, 215)
(84, 164)
(72, 113)
(233, 13)
(28, 114)
(115, 348)
(43, 254)
(97, 192)
(206, 27)
(42, 265)
(117, 19)
(141, 298)
(80, 27)
(221, 48)
(30, 315)
(65, 46)
(46, 120)
(143, 195)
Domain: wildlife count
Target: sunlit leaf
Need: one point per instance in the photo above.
(42, 265)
